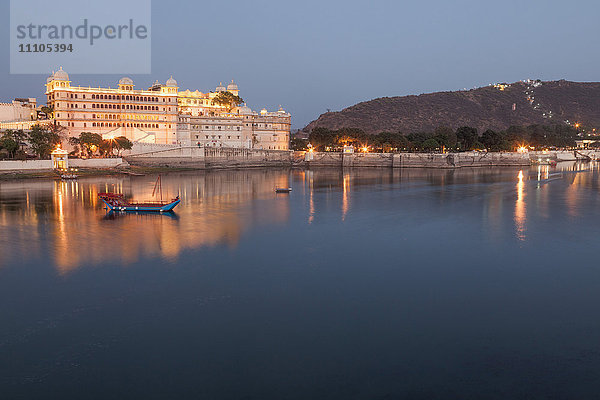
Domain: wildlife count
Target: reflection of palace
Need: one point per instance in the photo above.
(64, 219)
(163, 114)
(67, 218)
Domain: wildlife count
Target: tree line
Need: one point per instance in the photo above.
(442, 138)
(18, 144)
(90, 144)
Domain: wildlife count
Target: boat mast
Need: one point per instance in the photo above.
(159, 184)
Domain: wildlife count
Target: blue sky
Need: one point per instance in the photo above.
(310, 56)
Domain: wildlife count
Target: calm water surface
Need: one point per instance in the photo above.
(366, 284)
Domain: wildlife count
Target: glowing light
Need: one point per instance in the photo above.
(520, 209)
(522, 149)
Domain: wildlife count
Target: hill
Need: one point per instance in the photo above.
(493, 107)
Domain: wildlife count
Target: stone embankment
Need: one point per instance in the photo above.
(209, 158)
(193, 157)
(412, 160)
(46, 165)
(560, 155)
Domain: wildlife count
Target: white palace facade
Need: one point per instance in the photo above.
(162, 114)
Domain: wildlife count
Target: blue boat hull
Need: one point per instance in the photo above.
(165, 208)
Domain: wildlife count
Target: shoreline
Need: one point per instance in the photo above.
(143, 164)
(88, 172)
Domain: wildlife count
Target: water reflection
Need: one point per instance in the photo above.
(66, 218)
(63, 221)
(520, 208)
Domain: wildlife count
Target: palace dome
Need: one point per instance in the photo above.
(125, 81)
(171, 82)
(232, 86)
(61, 75)
(244, 110)
(220, 88)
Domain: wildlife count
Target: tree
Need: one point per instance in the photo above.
(445, 136)
(466, 136)
(228, 100)
(9, 143)
(430, 144)
(48, 110)
(494, 141)
(122, 143)
(74, 141)
(322, 137)
(90, 142)
(417, 139)
(298, 144)
(12, 140)
(42, 141)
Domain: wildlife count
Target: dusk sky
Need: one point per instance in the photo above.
(311, 56)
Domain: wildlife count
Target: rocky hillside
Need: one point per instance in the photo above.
(493, 107)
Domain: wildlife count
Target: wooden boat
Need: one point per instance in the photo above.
(283, 190)
(117, 202)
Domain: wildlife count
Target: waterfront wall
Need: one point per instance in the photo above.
(164, 155)
(207, 157)
(459, 160)
(560, 155)
(97, 163)
(213, 158)
(246, 158)
(412, 160)
(29, 165)
(40, 165)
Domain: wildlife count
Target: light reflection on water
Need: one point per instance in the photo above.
(70, 218)
(370, 283)
(66, 218)
(520, 208)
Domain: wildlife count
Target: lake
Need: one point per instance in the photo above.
(359, 284)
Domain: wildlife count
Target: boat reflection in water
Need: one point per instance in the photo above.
(360, 283)
(64, 221)
(112, 215)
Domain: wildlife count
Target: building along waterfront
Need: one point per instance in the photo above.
(162, 114)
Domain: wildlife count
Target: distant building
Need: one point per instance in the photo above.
(162, 114)
(18, 110)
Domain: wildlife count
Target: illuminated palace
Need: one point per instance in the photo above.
(162, 114)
